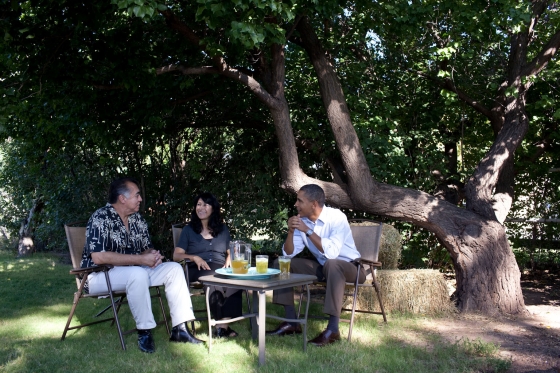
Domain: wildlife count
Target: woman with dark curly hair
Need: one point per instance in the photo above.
(205, 242)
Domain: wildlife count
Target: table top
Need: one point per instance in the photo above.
(272, 283)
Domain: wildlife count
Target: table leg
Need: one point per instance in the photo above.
(209, 321)
(262, 325)
(305, 324)
(254, 321)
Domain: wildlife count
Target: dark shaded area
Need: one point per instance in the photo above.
(541, 287)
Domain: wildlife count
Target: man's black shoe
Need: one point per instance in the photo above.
(225, 333)
(325, 338)
(146, 341)
(181, 333)
(285, 328)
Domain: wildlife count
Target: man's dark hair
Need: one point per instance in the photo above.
(215, 222)
(119, 186)
(314, 192)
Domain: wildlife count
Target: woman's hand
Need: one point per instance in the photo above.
(200, 263)
(228, 262)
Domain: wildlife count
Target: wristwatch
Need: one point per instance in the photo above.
(309, 232)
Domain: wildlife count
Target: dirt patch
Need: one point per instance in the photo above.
(532, 343)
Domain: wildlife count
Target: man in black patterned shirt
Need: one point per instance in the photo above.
(118, 235)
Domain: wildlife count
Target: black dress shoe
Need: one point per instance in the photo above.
(325, 338)
(181, 333)
(285, 328)
(225, 333)
(146, 341)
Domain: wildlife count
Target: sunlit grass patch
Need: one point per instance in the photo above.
(36, 302)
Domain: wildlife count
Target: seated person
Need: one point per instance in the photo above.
(117, 234)
(205, 241)
(326, 233)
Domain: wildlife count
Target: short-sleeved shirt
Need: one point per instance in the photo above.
(106, 232)
(336, 237)
(211, 251)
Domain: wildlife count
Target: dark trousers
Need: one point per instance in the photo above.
(224, 302)
(335, 272)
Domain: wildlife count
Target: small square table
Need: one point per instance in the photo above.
(258, 308)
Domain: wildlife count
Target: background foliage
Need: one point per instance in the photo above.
(81, 104)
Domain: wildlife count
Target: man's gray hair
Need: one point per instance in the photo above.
(314, 192)
(120, 187)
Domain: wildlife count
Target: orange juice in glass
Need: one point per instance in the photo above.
(262, 263)
(284, 263)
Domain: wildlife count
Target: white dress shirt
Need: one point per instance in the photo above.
(336, 237)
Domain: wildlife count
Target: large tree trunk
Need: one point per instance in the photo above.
(25, 242)
(488, 278)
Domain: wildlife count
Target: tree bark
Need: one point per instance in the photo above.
(25, 241)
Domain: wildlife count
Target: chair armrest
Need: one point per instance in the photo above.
(88, 270)
(185, 264)
(367, 262)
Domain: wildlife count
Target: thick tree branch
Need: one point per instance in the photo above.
(187, 70)
(220, 65)
(360, 182)
(542, 59)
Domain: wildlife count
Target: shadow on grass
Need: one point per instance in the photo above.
(30, 338)
(97, 349)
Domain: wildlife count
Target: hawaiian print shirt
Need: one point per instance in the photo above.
(106, 232)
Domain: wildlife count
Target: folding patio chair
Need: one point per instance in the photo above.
(367, 236)
(76, 236)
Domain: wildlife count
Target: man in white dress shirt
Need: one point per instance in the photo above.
(326, 233)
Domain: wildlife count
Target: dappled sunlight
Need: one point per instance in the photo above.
(32, 335)
(48, 322)
(526, 341)
(23, 264)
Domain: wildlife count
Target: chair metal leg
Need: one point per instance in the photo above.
(115, 311)
(163, 311)
(354, 303)
(119, 302)
(378, 292)
(107, 308)
(77, 296)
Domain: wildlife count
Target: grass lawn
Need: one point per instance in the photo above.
(36, 296)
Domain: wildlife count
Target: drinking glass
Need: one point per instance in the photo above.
(262, 263)
(284, 262)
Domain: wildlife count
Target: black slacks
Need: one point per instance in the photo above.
(224, 302)
(335, 272)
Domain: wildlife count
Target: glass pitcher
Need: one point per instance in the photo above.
(240, 257)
